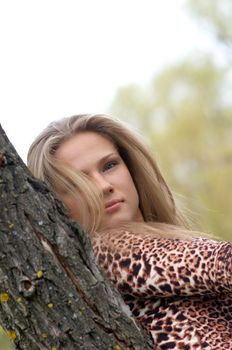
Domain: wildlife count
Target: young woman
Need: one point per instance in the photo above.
(177, 284)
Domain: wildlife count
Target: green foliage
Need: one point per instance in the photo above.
(186, 113)
(189, 124)
(217, 15)
(130, 103)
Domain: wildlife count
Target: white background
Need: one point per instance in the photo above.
(62, 57)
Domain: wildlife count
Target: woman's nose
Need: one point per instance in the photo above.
(104, 185)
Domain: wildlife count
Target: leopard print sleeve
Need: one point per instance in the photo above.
(146, 266)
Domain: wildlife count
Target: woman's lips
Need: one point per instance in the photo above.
(113, 205)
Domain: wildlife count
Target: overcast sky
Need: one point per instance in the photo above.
(63, 57)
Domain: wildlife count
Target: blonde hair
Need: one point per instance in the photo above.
(155, 198)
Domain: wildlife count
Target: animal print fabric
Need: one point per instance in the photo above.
(179, 290)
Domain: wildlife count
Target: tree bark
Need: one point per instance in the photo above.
(52, 295)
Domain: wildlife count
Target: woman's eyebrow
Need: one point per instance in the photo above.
(103, 159)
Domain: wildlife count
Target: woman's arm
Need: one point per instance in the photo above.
(143, 265)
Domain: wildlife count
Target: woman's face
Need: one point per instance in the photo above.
(98, 158)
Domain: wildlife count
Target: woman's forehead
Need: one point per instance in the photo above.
(85, 149)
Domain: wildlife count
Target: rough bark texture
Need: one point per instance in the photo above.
(52, 295)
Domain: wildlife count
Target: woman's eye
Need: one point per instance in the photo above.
(110, 165)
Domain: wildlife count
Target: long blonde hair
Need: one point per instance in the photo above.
(156, 200)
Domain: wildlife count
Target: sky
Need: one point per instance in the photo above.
(64, 57)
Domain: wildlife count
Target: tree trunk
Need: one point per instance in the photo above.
(52, 295)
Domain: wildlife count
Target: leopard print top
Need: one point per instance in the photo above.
(179, 290)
